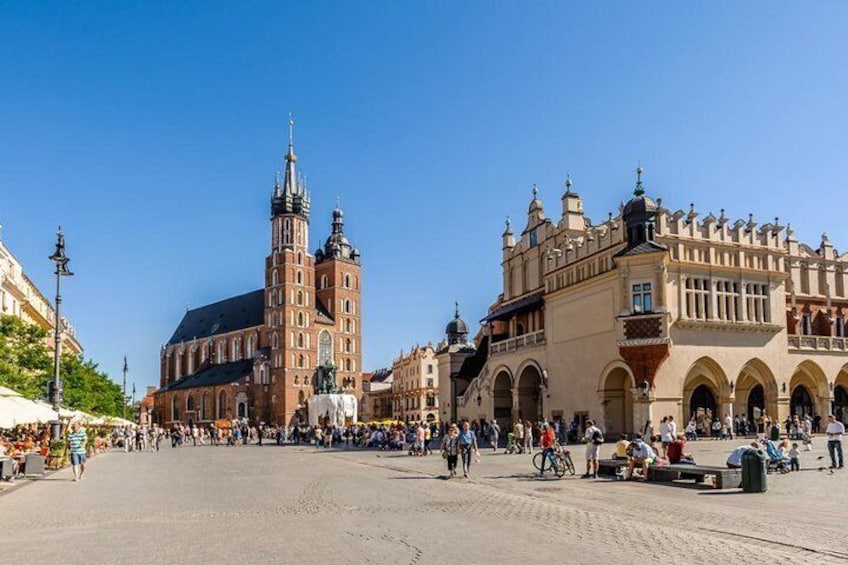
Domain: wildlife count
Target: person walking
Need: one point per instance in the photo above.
(547, 441)
(594, 438)
(528, 436)
(835, 431)
(495, 430)
(450, 449)
(518, 430)
(467, 444)
(77, 439)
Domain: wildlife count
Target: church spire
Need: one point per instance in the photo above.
(290, 184)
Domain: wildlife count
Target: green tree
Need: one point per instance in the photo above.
(89, 389)
(25, 362)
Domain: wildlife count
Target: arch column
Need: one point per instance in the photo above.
(643, 404)
(515, 403)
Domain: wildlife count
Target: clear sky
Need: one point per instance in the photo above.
(151, 132)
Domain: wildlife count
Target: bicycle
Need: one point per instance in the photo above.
(559, 460)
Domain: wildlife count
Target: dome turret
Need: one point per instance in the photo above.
(457, 329)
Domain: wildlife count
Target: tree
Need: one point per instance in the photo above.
(25, 363)
(88, 389)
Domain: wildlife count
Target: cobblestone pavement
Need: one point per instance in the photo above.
(256, 505)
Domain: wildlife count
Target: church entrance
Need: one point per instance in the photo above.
(840, 403)
(529, 394)
(702, 404)
(502, 400)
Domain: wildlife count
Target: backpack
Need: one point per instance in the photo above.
(597, 437)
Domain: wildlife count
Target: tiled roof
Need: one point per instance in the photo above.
(642, 248)
(214, 375)
(526, 303)
(236, 313)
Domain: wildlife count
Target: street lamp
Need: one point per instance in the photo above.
(61, 261)
(126, 368)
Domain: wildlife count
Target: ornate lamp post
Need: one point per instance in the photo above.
(56, 391)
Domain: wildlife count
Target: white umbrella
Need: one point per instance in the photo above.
(63, 412)
(7, 392)
(16, 410)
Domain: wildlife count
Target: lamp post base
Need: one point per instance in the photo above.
(56, 428)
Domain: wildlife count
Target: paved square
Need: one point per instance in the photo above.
(299, 504)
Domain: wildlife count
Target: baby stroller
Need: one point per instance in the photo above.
(511, 445)
(775, 461)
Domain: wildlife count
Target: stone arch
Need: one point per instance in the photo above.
(816, 398)
(705, 390)
(529, 385)
(502, 398)
(616, 386)
(755, 391)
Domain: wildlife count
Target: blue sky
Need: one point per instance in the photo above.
(151, 132)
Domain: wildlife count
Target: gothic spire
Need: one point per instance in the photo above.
(290, 184)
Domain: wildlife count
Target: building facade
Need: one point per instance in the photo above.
(260, 355)
(415, 386)
(20, 297)
(657, 312)
(377, 400)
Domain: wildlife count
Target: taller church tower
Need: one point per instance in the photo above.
(289, 295)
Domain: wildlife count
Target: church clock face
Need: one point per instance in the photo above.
(325, 348)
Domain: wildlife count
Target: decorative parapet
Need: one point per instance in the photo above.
(722, 325)
(643, 329)
(508, 345)
(818, 343)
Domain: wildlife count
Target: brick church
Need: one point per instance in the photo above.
(260, 355)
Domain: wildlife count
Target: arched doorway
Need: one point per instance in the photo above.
(502, 400)
(801, 403)
(529, 394)
(702, 403)
(840, 403)
(617, 401)
(756, 403)
(241, 405)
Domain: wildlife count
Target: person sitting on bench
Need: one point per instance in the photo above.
(621, 447)
(676, 453)
(642, 455)
(734, 461)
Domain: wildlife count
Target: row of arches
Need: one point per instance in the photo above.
(525, 393)
(707, 393)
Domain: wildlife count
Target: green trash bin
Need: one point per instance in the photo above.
(775, 433)
(754, 467)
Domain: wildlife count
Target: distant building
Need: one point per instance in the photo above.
(458, 363)
(657, 312)
(377, 396)
(20, 297)
(260, 355)
(415, 386)
(145, 407)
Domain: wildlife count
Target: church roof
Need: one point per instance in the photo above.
(214, 375)
(642, 248)
(232, 314)
(322, 316)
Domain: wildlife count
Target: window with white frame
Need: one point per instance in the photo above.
(698, 299)
(641, 298)
(727, 298)
(234, 350)
(758, 302)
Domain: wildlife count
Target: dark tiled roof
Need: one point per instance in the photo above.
(526, 303)
(236, 313)
(642, 248)
(322, 316)
(214, 375)
(472, 365)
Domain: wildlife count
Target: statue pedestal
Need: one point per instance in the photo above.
(333, 409)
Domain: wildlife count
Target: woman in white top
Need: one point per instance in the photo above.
(665, 435)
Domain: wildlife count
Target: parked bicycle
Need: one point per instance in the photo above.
(558, 461)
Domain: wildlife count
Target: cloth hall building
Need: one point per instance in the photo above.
(258, 355)
(659, 312)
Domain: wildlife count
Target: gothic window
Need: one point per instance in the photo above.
(323, 281)
(347, 325)
(758, 302)
(347, 364)
(222, 405)
(300, 340)
(347, 346)
(234, 350)
(347, 281)
(840, 325)
(300, 319)
(642, 298)
(840, 283)
(300, 298)
(299, 258)
(222, 352)
(300, 277)
(274, 278)
(300, 361)
(291, 340)
(805, 279)
(806, 325)
(175, 408)
(287, 232)
(727, 298)
(275, 341)
(325, 347)
(698, 299)
(250, 348)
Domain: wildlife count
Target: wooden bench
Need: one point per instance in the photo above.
(612, 467)
(724, 477)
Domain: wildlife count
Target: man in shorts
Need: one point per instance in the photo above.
(594, 438)
(642, 456)
(76, 444)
